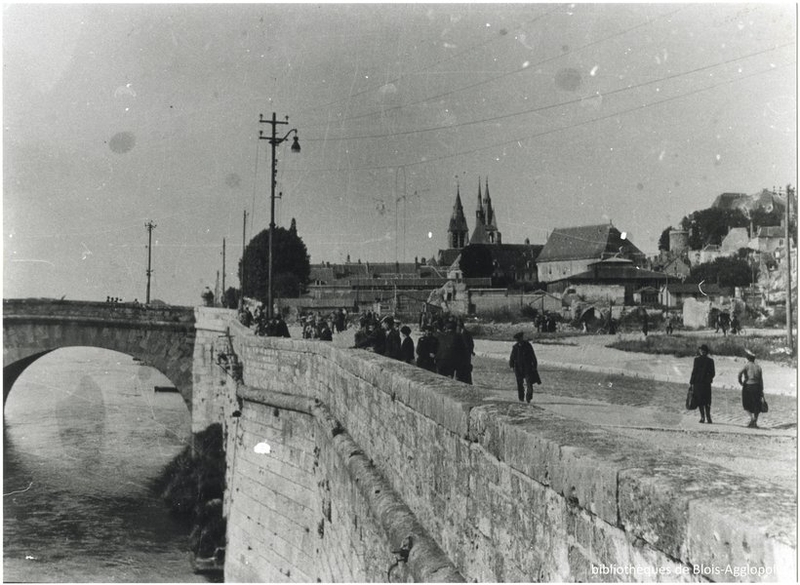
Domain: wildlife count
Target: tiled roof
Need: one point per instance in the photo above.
(615, 271)
(771, 231)
(447, 257)
(479, 235)
(708, 288)
(592, 241)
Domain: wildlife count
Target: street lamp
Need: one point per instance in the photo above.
(274, 141)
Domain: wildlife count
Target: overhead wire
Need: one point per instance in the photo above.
(426, 67)
(504, 74)
(556, 105)
(555, 130)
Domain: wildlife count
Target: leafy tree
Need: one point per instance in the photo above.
(290, 265)
(476, 261)
(726, 271)
(663, 241)
(710, 226)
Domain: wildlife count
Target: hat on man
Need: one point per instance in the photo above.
(388, 319)
(704, 348)
(749, 353)
(519, 335)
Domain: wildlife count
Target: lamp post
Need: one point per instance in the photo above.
(274, 142)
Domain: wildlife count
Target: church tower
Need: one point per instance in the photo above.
(486, 225)
(457, 231)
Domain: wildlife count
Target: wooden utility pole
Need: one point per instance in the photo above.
(789, 340)
(241, 276)
(223, 272)
(150, 226)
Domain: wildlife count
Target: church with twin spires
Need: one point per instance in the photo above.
(485, 231)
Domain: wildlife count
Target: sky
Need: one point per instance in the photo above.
(577, 114)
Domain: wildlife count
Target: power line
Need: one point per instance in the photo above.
(553, 131)
(551, 106)
(423, 69)
(502, 75)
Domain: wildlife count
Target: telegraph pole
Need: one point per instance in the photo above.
(274, 142)
(241, 276)
(223, 272)
(790, 341)
(150, 226)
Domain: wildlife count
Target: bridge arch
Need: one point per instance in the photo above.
(160, 337)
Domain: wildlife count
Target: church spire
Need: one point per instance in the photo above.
(457, 230)
(480, 214)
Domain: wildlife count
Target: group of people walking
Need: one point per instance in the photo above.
(447, 351)
(750, 378)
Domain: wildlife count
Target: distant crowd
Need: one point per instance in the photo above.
(445, 345)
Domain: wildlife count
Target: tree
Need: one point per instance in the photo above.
(476, 261)
(663, 241)
(726, 271)
(290, 265)
(710, 226)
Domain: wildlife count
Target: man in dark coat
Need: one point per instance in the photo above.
(392, 339)
(450, 350)
(281, 328)
(426, 349)
(702, 375)
(407, 345)
(523, 361)
(464, 366)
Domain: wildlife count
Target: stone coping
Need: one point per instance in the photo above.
(699, 513)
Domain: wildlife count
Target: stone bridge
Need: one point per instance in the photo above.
(343, 465)
(178, 341)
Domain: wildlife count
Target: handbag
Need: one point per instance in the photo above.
(764, 405)
(691, 403)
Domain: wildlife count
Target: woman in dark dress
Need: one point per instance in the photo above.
(702, 375)
(752, 381)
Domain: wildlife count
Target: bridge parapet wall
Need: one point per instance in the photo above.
(506, 491)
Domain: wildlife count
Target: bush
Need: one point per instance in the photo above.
(192, 485)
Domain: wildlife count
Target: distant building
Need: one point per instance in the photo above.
(675, 294)
(737, 238)
(485, 231)
(609, 279)
(768, 239)
(570, 251)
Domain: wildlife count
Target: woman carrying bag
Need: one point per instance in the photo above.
(752, 381)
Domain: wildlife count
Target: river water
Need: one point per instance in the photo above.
(84, 432)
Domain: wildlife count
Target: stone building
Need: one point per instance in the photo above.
(571, 251)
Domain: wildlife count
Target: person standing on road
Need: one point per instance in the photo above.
(525, 365)
(752, 381)
(407, 345)
(392, 339)
(427, 346)
(450, 349)
(702, 375)
(464, 367)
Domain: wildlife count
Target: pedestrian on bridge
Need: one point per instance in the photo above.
(427, 346)
(703, 374)
(407, 345)
(752, 380)
(525, 365)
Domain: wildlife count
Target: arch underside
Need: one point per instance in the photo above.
(169, 352)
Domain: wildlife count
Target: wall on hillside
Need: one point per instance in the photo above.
(505, 491)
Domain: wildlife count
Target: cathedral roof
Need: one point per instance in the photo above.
(592, 241)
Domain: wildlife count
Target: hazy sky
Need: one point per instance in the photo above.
(578, 114)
